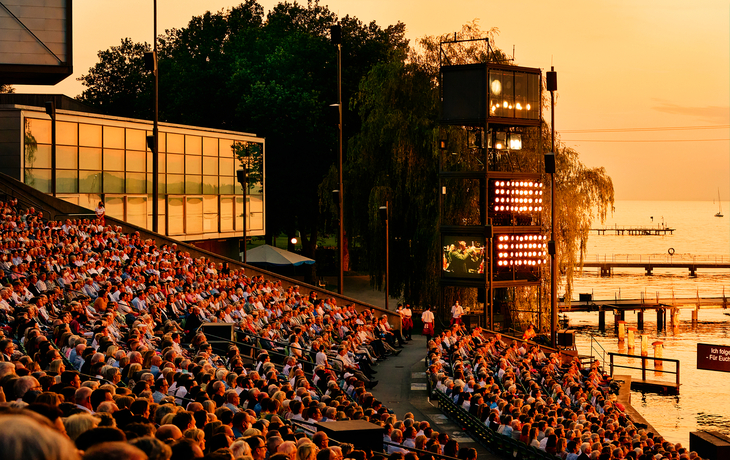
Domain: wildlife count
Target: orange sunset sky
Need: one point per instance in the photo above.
(621, 65)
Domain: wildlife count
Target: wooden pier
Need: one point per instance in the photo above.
(635, 231)
(653, 365)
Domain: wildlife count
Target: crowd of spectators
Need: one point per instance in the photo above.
(101, 358)
(549, 402)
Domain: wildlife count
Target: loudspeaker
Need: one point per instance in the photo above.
(551, 81)
(550, 163)
(361, 434)
(336, 34)
(710, 444)
(149, 61)
(566, 339)
(482, 295)
(585, 297)
(219, 336)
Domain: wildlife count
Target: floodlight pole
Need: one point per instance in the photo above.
(384, 210)
(552, 86)
(341, 239)
(156, 134)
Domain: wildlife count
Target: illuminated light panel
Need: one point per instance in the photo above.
(524, 197)
(520, 251)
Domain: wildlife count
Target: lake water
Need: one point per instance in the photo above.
(704, 399)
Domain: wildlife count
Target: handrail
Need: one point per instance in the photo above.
(602, 350)
(643, 365)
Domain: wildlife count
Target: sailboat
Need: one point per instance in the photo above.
(719, 203)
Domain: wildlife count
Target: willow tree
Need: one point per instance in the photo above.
(395, 157)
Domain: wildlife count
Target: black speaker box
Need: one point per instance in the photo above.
(361, 434)
(710, 445)
(566, 338)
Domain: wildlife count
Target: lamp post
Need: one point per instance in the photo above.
(384, 215)
(151, 65)
(336, 38)
(552, 86)
(51, 111)
(242, 175)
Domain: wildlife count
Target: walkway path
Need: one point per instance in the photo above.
(402, 388)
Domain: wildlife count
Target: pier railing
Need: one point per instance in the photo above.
(644, 368)
(657, 258)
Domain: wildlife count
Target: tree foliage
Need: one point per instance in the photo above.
(275, 74)
(271, 74)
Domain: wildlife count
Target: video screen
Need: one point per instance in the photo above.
(463, 256)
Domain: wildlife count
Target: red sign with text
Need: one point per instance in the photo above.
(713, 357)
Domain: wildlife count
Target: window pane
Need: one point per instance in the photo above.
(66, 133)
(239, 213)
(39, 179)
(89, 158)
(114, 206)
(41, 158)
(226, 185)
(113, 182)
(226, 148)
(175, 143)
(175, 212)
(39, 129)
(89, 135)
(210, 166)
(210, 185)
(136, 183)
(210, 223)
(137, 210)
(194, 215)
(193, 145)
(226, 214)
(113, 137)
(210, 146)
(193, 184)
(193, 165)
(210, 204)
(255, 203)
(113, 160)
(66, 157)
(136, 161)
(175, 164)
(136, 140)
(67, 181)
(227, 168)
(175, 184)
(90, 182)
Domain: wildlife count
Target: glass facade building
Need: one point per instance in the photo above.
(104, 158)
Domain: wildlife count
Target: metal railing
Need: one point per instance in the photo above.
(599, 350)
(657, 258)
(643, 367)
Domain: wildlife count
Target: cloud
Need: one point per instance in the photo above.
(709, 112)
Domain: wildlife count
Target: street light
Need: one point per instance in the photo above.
(384, 215)
(336, 38)
(51, 111)
(242, 176)
(150, 61)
